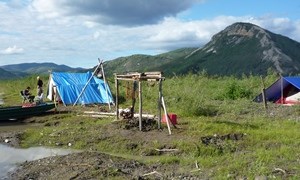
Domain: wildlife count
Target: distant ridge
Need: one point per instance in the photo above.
(6, 74)
(24, 69)
(143, 63)
(241, 48)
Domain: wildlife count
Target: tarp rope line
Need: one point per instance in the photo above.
(105, 84)
(86, 84)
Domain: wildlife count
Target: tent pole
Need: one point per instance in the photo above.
(102, 69)
(117, 96)
(48, 84)
(159, 103)
(264, 93)
(140, 104)
(86, 84)
(52, 94)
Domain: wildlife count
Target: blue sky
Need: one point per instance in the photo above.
(255, 8)
(76, 33)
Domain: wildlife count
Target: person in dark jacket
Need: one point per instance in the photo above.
(39, 86)
(27, 95)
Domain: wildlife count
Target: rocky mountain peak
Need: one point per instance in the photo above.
(246, 45)
(238, 32)
(244, 29)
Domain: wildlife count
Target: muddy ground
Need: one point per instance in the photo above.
(93, 164)
(84, 165)
(88, 165)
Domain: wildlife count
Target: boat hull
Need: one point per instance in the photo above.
(19, 112)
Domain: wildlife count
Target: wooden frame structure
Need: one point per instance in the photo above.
(139, 77)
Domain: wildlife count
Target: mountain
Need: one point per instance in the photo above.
(144, 63)
(241, 48)
(23, 69)
(244, 48)
(6, 74)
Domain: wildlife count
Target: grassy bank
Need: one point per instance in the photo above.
(219, 128)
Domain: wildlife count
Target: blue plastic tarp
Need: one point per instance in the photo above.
(81, 87)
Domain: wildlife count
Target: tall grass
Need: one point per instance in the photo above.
(197, 95)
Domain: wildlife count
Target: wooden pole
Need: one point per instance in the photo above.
(117, 97)
(159, 103)
(264, 93)
(54, 99)
(134, 88)
(105, 84)
(140, 105)
(166, 114)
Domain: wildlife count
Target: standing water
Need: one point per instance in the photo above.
(10, 157)
(1, 100)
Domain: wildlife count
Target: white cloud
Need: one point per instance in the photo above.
(279, 25)
(174, 33)
(12, 50)
(46, 8)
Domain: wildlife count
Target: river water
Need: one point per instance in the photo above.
(10, 157)
(1, 100)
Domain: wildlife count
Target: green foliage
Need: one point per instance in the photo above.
(234, 91)
(169, 160)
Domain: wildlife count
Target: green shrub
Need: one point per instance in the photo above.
(235, 91)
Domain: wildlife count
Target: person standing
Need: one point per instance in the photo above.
(39, 86)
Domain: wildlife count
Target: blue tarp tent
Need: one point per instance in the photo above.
(285, 90)
(80, 87)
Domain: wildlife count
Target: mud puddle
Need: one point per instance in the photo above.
(11, 157)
